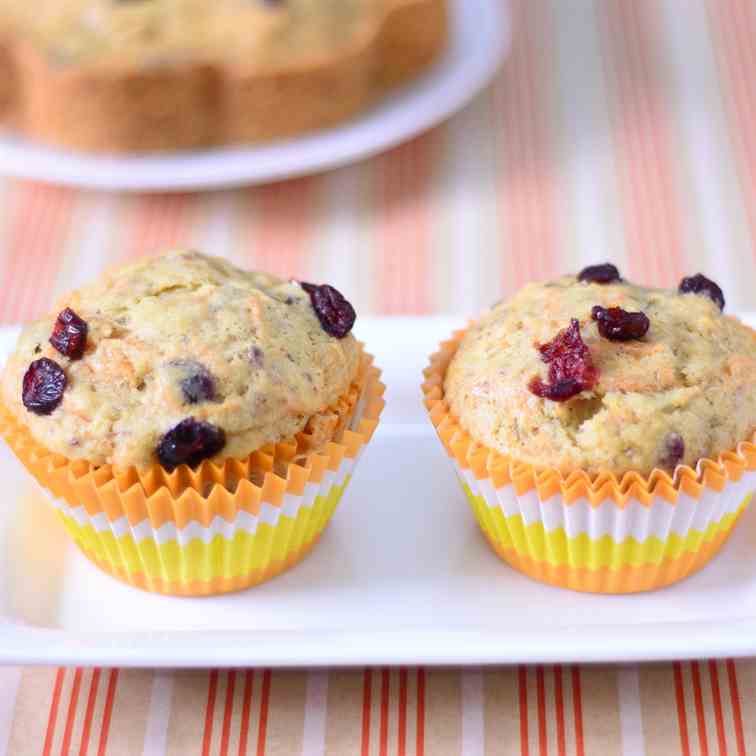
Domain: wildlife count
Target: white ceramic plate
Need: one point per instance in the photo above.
(401, 576)
(480, 39)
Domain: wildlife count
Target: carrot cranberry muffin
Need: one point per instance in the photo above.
(195, 425)
(594, 373)
(119, 75)
(181, 358)
(603, 432)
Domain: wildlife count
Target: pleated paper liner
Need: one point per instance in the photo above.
(598, 534)
(222, 527)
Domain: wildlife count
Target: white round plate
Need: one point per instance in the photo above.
(480, 39)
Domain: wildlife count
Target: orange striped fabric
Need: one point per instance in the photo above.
(686, 708)
(620, 130)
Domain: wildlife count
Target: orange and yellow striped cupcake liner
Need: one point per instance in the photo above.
(210, 530)
(598, 534)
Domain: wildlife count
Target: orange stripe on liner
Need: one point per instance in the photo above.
(577, 708)
(682, 721)
(212, 690)
(716, 698)
(402, 726)
(367, 686)
(53, 715)
(91, 700)
(737, 714)
(228, 711)
(249, 677)
(522, 681)
(559, 705)
(262, 730)
(703, 740)
(543, 742)
(420, 726)
(107, 713)
(384, 722)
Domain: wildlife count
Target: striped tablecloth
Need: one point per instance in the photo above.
(618, 129)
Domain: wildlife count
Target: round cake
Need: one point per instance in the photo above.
(146, 75)
(598, 374)
(179, 346)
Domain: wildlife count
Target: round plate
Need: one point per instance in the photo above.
(480, 38)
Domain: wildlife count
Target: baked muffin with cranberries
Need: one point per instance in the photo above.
(601, 374)
(218, 412)
(176, 345)
(603, 431)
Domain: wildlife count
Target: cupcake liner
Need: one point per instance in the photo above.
(599, 534)
(209, 530)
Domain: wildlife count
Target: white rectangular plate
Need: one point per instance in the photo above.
(402, 576)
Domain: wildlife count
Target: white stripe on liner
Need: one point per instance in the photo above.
(473, 725)
(156, 731)
(168, 531)
(193, 530)
(10, 679)
(636, 520)
(316, 708)
(631, 717)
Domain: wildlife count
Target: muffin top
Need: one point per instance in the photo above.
(180, 355)
(557, 377)
(156, 32)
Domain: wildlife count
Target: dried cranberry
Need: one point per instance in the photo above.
(256, 357)
(674, 451)
(600, 274)
(571, 368)
(199, 387)
(699, 284)
(198, 383)
(335, 314)
(189, 443)
(617, 324)
(43, 386)
(69, 334)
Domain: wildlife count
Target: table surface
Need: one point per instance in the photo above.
(619, 129)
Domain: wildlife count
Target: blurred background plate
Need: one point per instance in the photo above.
(480, 39)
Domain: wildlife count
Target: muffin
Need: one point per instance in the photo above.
(154, 75)
(602, 430)
(195, 424)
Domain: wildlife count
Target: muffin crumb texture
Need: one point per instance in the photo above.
(679, 391)
(178, 337)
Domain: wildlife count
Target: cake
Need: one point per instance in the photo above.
(130, 76)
